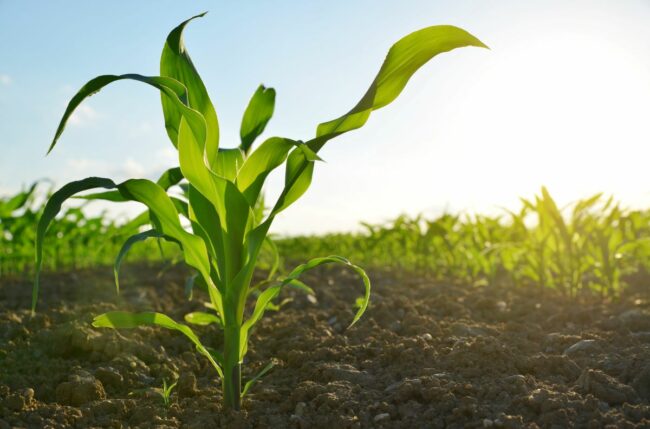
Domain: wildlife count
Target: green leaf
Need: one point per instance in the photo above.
(228, 163)
(52, 208)
(175, 62)
(173, 90)
(403, 59)
(270, 293)
(128, 320)
(202, 319)
(298, 175)
(169, 178)
(165, 219)
(268, 156)
(133, 239)
(253, 380)
(16, 202)
(257, 115)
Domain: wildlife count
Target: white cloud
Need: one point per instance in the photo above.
(81, 166)
(141, 130)
(167, 156)
(132, 168)
(82, 115)
(5, 79)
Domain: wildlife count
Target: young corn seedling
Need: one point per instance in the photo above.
(166, 392)
(224, 188)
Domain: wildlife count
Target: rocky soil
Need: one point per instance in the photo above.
(426, 355)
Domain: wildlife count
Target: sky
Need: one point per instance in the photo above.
(561, 99)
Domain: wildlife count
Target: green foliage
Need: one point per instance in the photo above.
(81, 240)
(223, 192)
(589, 245)
(166, 392)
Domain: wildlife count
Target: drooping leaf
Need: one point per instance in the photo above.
(171, 88)
(273, 291)
(133, 239)
(164, 217)
(128, 320)
(167, 179)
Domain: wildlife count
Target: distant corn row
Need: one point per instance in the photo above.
(590, 245)
(78, 241)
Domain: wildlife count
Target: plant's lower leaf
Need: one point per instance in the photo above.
(273, 291)
(128, 320)
(253, 380)
(135, 238)
(202, 319)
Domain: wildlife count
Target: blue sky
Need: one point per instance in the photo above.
(562, 98)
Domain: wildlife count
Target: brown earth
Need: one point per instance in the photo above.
(425, 355)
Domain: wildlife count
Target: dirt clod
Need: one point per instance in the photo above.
(79, 390)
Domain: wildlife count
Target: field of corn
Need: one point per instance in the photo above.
(192, 314)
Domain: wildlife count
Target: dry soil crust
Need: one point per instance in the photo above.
(425, 355)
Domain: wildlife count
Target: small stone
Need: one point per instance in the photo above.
(427, 337)
(381, 417)
(605, 388)
(636, 320)
(187, 385)
(109, 376)
(487, 423)
(20, 400)
(80, 390)
(582, 346)
(300, 409)
(338, 371)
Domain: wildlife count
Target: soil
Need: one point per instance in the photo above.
(425, 355)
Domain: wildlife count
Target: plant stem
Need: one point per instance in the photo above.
(232, 367)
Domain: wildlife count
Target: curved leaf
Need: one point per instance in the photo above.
(52, 208)
(257, 115)
(253, 380)
(133, 239)
(175, 62)
(169, 178)
(128, 320)
(268, 156)
(164, 216)
(270, 293)
(403, 59)
(170, 87)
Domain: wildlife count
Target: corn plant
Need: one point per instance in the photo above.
(589, 246)
(224, 187)
(166, 392)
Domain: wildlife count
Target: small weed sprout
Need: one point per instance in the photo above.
(223, 204)
(166, 392)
